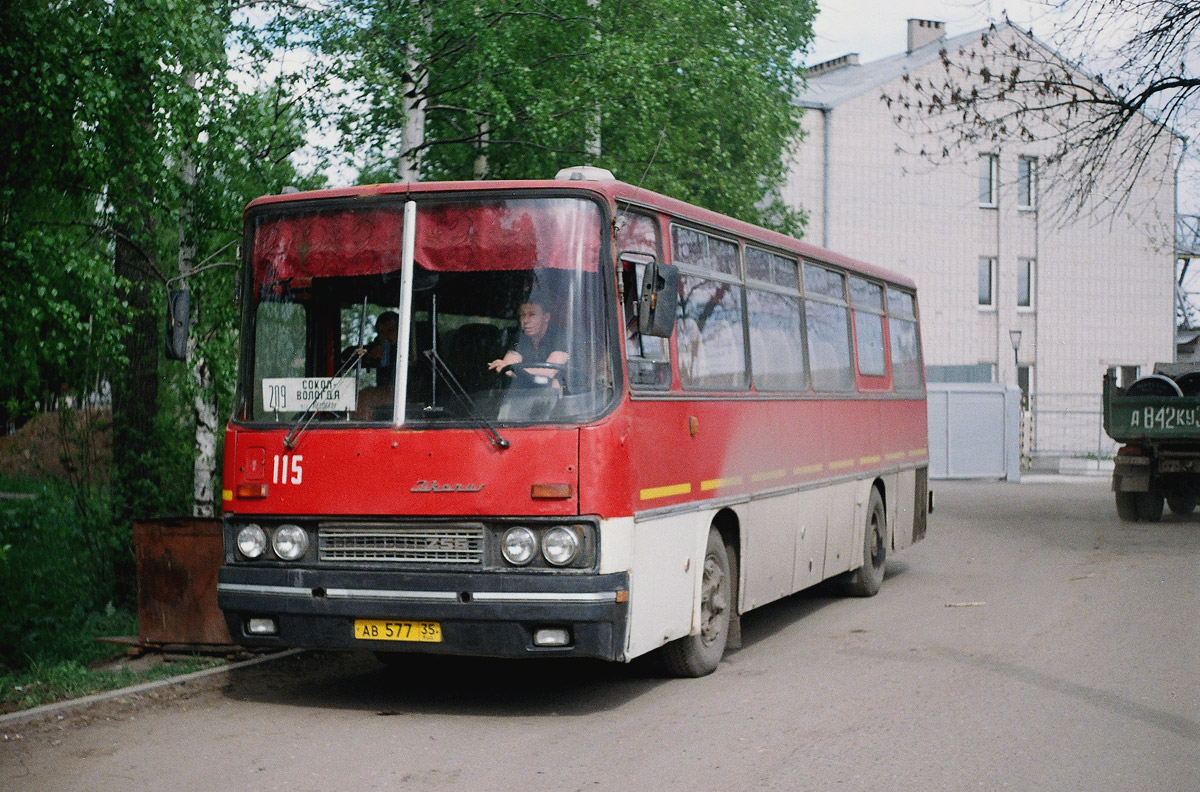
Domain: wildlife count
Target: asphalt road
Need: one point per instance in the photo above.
(1031, 642)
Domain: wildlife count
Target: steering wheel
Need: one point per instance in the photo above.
(524, 377)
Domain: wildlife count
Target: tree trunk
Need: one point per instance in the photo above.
(415, 84)
(135, 391)
(204, 409)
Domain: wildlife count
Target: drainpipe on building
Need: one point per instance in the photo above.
(826, 112)
(1177, 285)
(1001, 331)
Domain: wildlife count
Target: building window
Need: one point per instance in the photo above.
(1026, 183)
(1025, 283)
(989, 173)
(987, 279)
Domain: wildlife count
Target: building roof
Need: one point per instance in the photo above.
(827, 90)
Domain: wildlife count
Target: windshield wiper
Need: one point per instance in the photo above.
(309, 413)
(458, 390)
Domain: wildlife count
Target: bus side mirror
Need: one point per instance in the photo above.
(659, 300)
(177, 324)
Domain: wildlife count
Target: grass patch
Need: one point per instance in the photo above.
(45, 684)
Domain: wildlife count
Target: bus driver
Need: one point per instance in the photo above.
(540, 341)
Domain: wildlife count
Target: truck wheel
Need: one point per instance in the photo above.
(698, 655)
(1127, 506)
(1149, 506)
(1181, 504)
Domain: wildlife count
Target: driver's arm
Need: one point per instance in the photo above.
(509, 358)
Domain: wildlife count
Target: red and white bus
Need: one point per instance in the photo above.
(728, 416)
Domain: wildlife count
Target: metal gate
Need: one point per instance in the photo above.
(974, 431)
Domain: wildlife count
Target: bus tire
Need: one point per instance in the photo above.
(1150, 506)
(699, 655)
(1127, 508)
(866, 580)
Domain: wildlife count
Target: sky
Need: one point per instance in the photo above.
(878, 28)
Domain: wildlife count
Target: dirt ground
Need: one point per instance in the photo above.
(55, 444)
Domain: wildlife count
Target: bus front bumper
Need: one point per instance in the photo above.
(494, 615)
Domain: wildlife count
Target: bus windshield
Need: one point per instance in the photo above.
(507, 313)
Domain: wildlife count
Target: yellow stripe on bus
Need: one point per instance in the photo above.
(870, 460)
(894, 456)
(919, 452)
(804, 470)
(713, 484)
(666, 492)
(841, 464)
(771, 475)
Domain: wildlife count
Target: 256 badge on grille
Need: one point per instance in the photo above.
(383, 630)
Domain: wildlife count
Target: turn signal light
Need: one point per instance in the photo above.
(251, 490)
(550, 491)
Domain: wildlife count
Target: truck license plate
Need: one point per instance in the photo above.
(382, 630)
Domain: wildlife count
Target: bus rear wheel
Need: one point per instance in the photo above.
(699, 655)
(866, 580)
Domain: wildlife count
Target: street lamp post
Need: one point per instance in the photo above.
(1015, 337)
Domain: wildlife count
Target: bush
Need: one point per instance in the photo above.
(56, 575)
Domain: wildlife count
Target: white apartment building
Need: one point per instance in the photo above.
(977, 234)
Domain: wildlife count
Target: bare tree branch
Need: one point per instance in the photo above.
(1100, 134)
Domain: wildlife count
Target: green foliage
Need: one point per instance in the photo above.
(106, 107)
(55, 579)
(696, 96)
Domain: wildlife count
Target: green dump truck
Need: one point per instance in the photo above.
(1156, 419)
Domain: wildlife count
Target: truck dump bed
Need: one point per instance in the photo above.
(1162, 407)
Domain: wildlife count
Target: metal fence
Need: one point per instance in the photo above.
(1066, 425)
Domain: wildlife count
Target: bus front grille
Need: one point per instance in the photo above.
(424, 544)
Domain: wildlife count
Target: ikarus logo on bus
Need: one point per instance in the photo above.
(432, 485)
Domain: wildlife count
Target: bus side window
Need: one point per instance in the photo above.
(709, 334)
(827, 322)
(648, 357)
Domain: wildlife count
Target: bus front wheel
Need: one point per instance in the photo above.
(699, 655)
(866, 580)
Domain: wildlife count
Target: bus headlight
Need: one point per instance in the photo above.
(518, 546)
(561, 546)
(251, 541)
(290, 542)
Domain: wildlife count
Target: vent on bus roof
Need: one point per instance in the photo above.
(584, 173)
